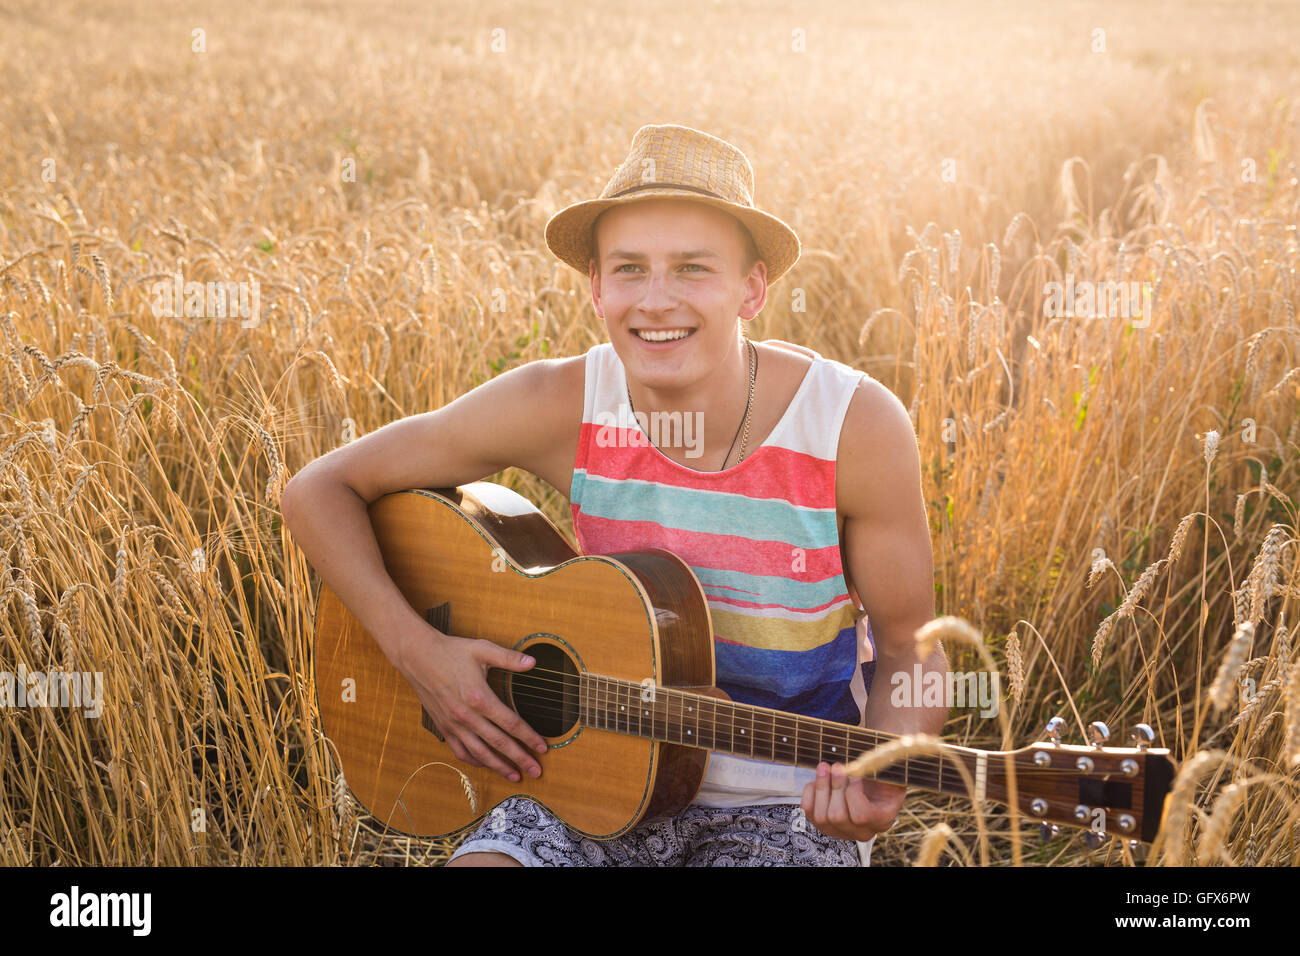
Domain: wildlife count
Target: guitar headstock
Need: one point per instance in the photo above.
(1109, 791)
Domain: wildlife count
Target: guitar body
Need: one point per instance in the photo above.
(480, 561)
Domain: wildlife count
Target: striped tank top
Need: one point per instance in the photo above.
(762, 538)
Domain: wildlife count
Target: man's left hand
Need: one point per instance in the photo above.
(850, 808)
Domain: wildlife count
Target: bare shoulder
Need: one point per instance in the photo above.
(788, 354)
(564, 376)
(794, 347)
(875, 410)
(548, 401)
(554, 394)
(878, 465)
(789, 361)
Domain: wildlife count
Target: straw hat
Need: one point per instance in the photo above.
(680, 162)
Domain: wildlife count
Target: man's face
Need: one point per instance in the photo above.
(673, 266)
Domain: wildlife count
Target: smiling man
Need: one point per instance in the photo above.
(798, 505)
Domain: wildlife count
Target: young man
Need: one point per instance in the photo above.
(796, 500)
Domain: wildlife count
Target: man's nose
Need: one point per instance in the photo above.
(658, 292)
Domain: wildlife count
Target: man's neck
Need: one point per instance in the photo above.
(696, 426)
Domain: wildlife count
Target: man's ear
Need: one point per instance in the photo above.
(756, 295)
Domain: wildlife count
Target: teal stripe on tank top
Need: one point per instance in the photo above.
(770, 589)
(710, 512)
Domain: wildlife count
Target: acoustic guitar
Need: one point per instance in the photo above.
(623, 690)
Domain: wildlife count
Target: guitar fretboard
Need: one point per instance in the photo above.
(694, 720)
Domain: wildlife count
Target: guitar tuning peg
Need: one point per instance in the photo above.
(1053, 730)
(1047, 830)
(1092, 838)
(1098, 734)
(1141, 736)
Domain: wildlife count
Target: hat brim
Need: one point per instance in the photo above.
(569, 231)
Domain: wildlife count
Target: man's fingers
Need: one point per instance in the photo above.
(506, 746)
(821, 793)
(466, 725)
(493, 708)
(837, 811)
(456, 748)
(486, 757)
(842, 808)
(513, 724)
(859, 805)
(498, 717)
(494, 655)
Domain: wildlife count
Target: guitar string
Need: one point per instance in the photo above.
(926, 776)
(857, 731)
(917, 767)
(614, 688)
(874, 736)
(557, 708)
(924, 772)
(919, 771)
(920, 774)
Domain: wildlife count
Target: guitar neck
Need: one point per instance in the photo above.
(696, 720)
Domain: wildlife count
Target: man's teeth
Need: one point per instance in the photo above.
(650, 336)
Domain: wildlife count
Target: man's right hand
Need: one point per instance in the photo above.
(450, 676)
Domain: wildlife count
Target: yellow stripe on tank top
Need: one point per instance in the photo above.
(779, 634)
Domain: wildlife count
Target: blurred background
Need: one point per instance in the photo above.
(1112, 498)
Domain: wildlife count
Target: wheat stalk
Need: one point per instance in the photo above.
(1226, 681)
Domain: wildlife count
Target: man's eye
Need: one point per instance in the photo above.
(688, 265)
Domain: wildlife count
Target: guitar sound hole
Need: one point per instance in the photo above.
(546, 696)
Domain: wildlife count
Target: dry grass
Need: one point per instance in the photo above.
(1095, 489)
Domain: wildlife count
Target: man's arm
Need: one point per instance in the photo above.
(527, 417)
(891, 566)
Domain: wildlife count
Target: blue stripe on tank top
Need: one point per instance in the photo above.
(788, 674)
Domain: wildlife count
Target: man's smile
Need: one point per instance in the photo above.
(662, 336)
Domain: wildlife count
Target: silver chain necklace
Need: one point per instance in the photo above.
(744, 424)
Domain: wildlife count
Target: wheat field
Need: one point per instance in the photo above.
(1113, 502)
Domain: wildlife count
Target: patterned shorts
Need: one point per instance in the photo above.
(771, 835)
